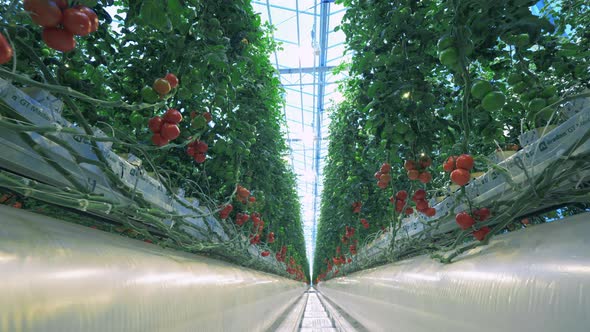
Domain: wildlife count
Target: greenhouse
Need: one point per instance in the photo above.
(295, 165)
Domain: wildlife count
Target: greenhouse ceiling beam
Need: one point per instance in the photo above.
(268, 6)
(324, 32)
(306, 70)
(283, 8)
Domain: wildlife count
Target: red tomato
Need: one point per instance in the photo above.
(465, 161)
(158, 140)
(421, 205)
(207, 116)
(62, 4)
(5, 50)
(449, 165)
(385, 177)
(413, 174)
(172, 116)
(172, 79)
(525, 221)
(464, 220)
(460, 176)
(17, 205)
(419, 194)
(425, 177)
(59, 39)
(399, 205)
(44, 13)
(409, 165)
(252, 199)
(94, 23)
(76, 22)
(430, 212)
(425, 161)
(155, 124)
(409, 210)
(162, 87)
(377, 175)
(191, 151)
(482, 214)
(201, 146)
(200, 157)
(381, 184)
(481, 233)
(385, 168)
(402, 195)
(169, 131)
(265, 253)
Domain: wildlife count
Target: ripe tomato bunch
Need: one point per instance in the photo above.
(422, 205)
(383, 175)
(198, 150)
(225, 211)
(459, 167)
(281, 254)
(417, 169)
(356, 207)
(61, 22)
(165, 129)
(400, 202)
(271, 237)
(6, 52)
(352, 249)
(163, 86)
(242, 218)
(243, 195)
(365, 223)
(466, 221)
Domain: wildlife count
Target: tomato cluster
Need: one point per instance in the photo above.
(459, 168)
(365, 223)
(271, 237)
(61, 22)
(356, 207)
(417, 169)
(491, 100)
(281, 254)
(383, 175)
(5, 50)
(225, 211)
(197, 150)
(199, 121)
(243, 195)
(165, 129)
(466, 221)
(163, 86)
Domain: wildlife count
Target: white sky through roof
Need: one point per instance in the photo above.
(301, 62)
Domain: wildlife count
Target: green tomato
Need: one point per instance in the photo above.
(445, 42)
(537, 104)
(136, 119)
(514, 78)
(428, 99)
(481, 88)
(149, 95)
(402, 128)
(410, 136)
(522, 40)
(449, 57)
(549, 91)
(493, 101)
(520, 87)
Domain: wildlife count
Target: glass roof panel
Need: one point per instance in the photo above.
(309, 50)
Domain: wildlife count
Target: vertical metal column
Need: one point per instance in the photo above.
(324, 31)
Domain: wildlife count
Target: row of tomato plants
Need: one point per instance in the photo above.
(216, 122)
(430, 83)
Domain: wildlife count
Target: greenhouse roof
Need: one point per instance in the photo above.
(310, 49)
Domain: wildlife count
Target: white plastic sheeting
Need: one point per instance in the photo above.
(533, 280)
(57, 276)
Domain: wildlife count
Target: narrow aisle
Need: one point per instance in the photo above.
(316, 317)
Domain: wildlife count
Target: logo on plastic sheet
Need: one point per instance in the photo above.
(542, 146)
